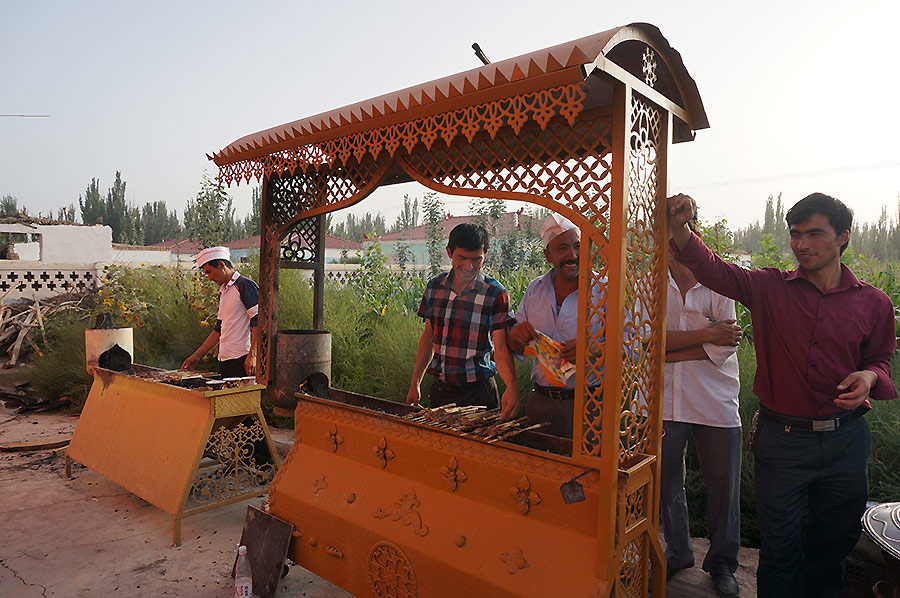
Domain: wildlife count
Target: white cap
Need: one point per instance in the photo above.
(213, 253)
(554, 226)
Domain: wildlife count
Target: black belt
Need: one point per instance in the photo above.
(816, 425)
(558, 394)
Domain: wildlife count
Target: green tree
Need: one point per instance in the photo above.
(122, 218)
(203, 220)
(252, 223)
(158, 224)
(433, 219)
(404, 255)
(66, 214)
(8, 206)
(409, 216)
(717, 237)
(770, 256)
(92, 207)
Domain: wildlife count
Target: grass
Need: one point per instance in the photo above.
(374, 341)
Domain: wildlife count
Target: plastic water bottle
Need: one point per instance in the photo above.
(243, 578)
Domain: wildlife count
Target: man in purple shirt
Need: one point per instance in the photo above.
(823, 343)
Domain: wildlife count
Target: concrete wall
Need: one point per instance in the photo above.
(75, 244)
(28, 252)
(136, 257)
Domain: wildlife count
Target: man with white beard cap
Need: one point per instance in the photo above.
(550, 305)
(236, 332)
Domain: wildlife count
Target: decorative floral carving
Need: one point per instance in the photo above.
(398, 428)
(405, 511)
(238, 471)
(390, 573)
(649, 66)
(334, 438)
(383, 452)
(319, 485)
(453, 474)
(524, 496)
(514, 560)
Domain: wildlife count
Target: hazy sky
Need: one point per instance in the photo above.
(801, 96)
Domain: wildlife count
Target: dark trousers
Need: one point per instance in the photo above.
(827, 471)
(483, 392)
(557, 412)
(233, 368)
(719, 450)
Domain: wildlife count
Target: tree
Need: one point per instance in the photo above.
(770, 256)
(433, 219)
(158, 224)
(717, 237)
(8, 206)
(252, 224)
(66, 214)
(408, 217)
(203, 220)
(404, 255)
(122, 218)
(91, 204)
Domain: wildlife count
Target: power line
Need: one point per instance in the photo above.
(797, 175)
(26, 115)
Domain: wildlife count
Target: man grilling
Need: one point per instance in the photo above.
(236, 332)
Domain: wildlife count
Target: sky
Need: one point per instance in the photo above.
(801, 96)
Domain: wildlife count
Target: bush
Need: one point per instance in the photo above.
(61, 372)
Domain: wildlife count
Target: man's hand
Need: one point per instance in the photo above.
(725, 333)
(681, 209)
(190, 362)
(509, 404)
(568, 351)
(858, 385)
(250, 363)
(414, 395)
(519, 336)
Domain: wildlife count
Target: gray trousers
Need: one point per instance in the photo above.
(720, 462)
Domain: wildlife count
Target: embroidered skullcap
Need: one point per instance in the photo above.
(213, 253)
(554, 226)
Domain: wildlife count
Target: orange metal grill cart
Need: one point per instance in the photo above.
(385, 507)
(182, 450)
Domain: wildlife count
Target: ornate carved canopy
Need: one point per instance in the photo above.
(581, 128)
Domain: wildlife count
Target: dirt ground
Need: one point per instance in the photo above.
(86, 536)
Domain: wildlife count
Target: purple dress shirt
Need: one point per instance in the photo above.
(806, 341)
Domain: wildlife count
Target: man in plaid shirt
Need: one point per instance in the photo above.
(466, 318)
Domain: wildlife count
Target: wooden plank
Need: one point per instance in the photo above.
(267, 539)
(37, 310)
(35, 445)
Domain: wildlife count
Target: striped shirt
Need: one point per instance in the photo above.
(238, 306)
(462, 325)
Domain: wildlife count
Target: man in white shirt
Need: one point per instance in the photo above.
(550, 305)
(236, 331)
(701, 399)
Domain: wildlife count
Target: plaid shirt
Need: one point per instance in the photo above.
(462, 326)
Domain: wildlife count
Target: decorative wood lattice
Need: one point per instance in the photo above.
(299, 245)
(643, 355)
(367, 146)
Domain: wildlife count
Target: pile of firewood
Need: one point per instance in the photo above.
(22, 323)
(472, 421)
